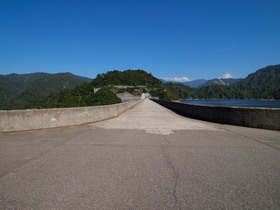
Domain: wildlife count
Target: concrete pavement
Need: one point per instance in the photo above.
(147, 158)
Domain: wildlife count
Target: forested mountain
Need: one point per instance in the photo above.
(83, 95)
(19, 90)
(11, 84)
(263, 84)
(135, 78)
(128, 77)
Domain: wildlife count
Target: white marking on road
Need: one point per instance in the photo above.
(158, 131)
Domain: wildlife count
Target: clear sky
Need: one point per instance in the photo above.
(169, 38)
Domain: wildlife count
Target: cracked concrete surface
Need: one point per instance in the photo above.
(147, 158)
(175, 176)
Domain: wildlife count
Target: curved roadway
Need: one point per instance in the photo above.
(147, 158)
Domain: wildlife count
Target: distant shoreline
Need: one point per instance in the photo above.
(262, 99)
(235, 103)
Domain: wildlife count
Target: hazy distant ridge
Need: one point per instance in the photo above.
(221, 81)
(263, 84)
(203, 82)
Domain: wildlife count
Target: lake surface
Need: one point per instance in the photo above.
(237, 103)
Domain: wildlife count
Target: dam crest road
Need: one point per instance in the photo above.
(146, 158)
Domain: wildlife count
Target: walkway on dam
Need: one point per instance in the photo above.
(147, 158)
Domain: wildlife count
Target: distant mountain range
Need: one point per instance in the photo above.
(218, 81)
(263, 84)
(196, 83)
(42, 90)
(203, 82)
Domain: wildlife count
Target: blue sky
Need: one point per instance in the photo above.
(169, 38)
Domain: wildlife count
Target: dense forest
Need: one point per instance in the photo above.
(128, 77)
(83, 95)
(17, 91)
(134, 78)
(11, 84)
(263, 84)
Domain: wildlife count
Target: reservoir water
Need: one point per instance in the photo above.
(237, 103)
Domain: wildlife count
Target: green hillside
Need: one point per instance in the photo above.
(83, 95)
(38, 87)
(80, 96)
(134, 78)
(264, 83)
(128, 77)
(11, 84)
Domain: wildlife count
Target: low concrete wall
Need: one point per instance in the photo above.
(18, 120)
(267, 118)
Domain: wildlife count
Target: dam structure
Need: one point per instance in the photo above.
(142, 156)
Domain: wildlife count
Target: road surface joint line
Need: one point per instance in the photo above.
(252, 139)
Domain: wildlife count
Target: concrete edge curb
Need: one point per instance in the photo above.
(31, 119)
(265, 118)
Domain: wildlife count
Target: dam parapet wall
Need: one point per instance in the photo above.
(30, 119)
(266, 118)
